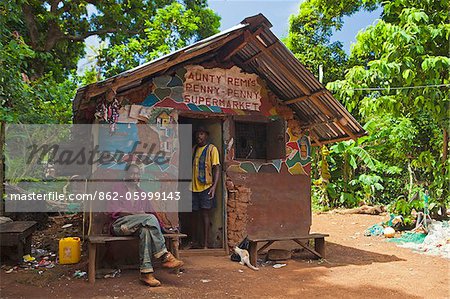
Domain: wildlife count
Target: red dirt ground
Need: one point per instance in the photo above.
(356, 267)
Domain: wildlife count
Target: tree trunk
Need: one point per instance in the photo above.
(2, 166)
(445, 148)
(443, 207)
(411, 180)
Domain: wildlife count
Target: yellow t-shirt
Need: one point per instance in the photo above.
(198, 186)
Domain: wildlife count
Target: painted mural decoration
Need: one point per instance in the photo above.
(297, 161)
(137, 127)
(298, 154)
(169, 91)
(224, 88)
(198, 89)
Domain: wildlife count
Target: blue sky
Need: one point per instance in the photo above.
(277, 12)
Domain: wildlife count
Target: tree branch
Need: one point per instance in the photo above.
(82, 37)
(54, 6)
(65, 8)
(54, 34)
(32, 26)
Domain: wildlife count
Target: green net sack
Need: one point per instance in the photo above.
(409, 237)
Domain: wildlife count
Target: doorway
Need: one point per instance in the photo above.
(188, 220)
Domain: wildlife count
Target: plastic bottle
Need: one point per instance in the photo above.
(69, 250)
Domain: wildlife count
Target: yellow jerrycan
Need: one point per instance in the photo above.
(69, 250)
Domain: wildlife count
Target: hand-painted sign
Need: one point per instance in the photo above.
(225, 88)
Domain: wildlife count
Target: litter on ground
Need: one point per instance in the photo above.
(436, 242)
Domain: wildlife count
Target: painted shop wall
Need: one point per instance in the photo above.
(269, 198)
(264, 197)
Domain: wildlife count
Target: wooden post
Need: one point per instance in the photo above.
(20, 250)
(92, 254)
(252, 250)
(319, 246)
(175, 245)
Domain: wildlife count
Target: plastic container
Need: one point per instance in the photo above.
(69, 250)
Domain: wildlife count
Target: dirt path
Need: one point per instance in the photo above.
(356, 267)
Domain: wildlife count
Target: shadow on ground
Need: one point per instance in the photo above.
(340, 255)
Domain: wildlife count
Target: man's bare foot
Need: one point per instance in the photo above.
(149, 279)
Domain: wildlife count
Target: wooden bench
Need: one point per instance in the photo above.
(172, 244)
(319, 245)
(18, 234)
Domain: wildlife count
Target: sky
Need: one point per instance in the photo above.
(277, 12)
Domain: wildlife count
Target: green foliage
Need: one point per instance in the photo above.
(43, 100)
(56, 30)
(42, 42)
(310, 32)
(173, 27)
(347, 158)
(409, 48)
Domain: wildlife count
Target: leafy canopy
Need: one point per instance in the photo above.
(41, 43)
(396, 82)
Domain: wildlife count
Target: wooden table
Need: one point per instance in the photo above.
(17, 233)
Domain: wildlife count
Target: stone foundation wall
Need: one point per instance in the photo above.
(237, 217)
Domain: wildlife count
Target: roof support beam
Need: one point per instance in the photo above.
(234, 46)
(282, 68)
(316, 100)
(323, 142)
(315, 138)
(305, 97)
(247, 36)
(312, 126)
(239, 44)
(269, 48)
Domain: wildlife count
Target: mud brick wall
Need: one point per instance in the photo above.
(237, 217)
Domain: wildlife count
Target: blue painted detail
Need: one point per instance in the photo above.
(150, 101)
(215, 109)
(193, 107)
(122, 142)
(277, 164)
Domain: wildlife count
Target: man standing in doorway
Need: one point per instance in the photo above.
(205, 176)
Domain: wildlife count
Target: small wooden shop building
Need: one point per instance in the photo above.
(264, 111)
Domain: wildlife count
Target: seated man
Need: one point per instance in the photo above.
(136, 217)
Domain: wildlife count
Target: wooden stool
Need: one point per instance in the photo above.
(318, 251)
(17, 233)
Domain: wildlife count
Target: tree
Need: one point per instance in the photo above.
(56, 29)
(403, 62)
(21, 100)
(310, 32)
(173, 27)
(396, 81)
(42, 41)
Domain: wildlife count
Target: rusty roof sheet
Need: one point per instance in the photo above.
(259, 51)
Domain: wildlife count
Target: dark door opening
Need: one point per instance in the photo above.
(189, 220)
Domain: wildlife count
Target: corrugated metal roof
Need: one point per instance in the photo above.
(261, 52)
